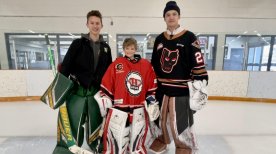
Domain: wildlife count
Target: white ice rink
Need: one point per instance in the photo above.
(222, 127)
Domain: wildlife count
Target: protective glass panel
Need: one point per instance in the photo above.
(246, 53)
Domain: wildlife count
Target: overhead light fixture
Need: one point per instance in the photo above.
(198, 34)
(73, 36)
(31, 31)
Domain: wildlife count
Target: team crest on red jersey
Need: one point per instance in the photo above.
(134, 83)
(119, 68)
(169, 59)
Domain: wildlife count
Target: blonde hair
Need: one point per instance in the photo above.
(130, 41)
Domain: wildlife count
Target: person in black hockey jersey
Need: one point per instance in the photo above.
(182, 80)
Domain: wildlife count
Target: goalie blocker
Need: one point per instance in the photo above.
(198, 94)
(57, 92)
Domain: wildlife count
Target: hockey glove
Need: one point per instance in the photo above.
(198, 94)
(152, 107)
(77, 150)
(104, 102)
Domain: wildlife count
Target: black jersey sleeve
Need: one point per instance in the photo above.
(198, 70)
(155, 57)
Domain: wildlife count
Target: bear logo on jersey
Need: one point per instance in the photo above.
(134, 83)
(169, 59)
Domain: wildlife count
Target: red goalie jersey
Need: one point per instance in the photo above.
(128, 82)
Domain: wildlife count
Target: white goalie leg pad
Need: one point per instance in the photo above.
(152, 134)
(104, 103)
(188, 137)
(198, 94)
(155, 130)
(139, 128)
(117, 133)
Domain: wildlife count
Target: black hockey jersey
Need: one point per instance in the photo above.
(176, 60)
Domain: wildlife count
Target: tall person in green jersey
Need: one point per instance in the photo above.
(85, 63)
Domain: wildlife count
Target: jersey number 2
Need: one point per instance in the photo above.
(199, 58)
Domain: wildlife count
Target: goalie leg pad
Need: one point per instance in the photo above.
(139, 129)
(116, 134)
